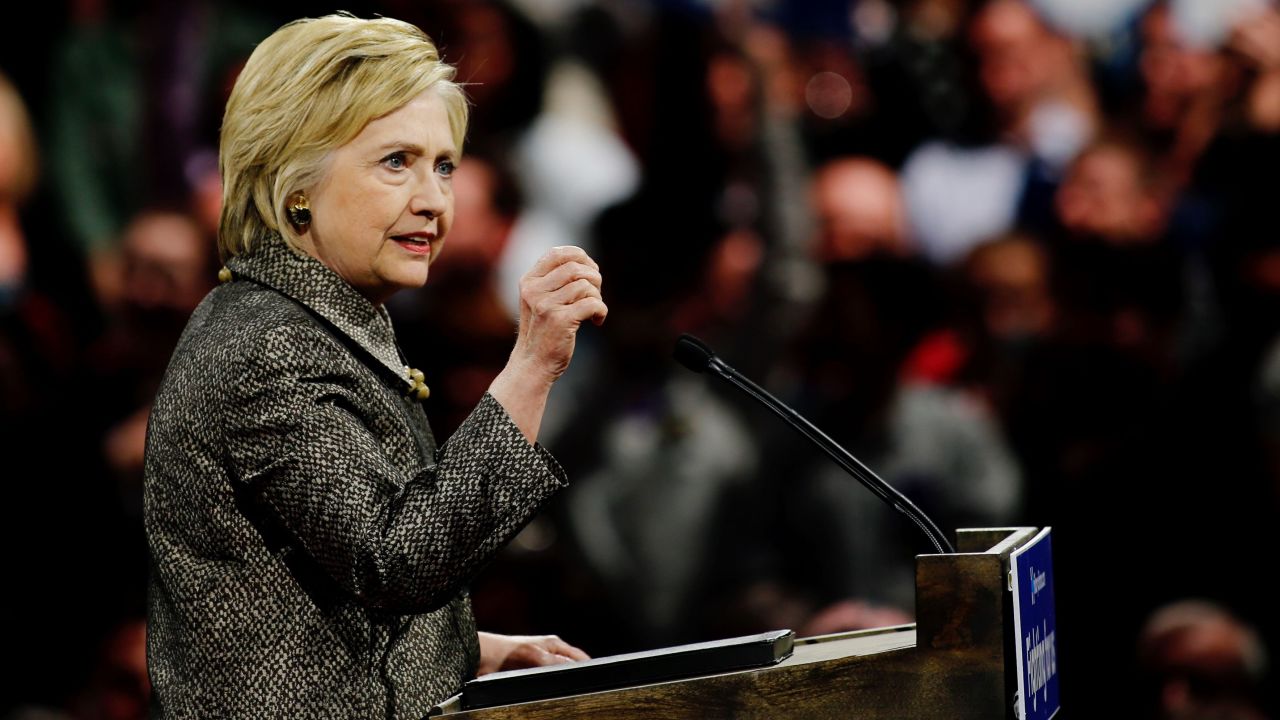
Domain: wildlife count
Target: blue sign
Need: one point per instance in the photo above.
(1035, 624)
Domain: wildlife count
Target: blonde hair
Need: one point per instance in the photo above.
(308, 89)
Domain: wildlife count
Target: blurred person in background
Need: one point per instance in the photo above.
(285, 574)
(1197, 89)
(1007, 314)
(856, 373)
(135, 121)
(114, 687)
(732, 133)
(18, 173)
(118, 687)
(858, 208)
(168, 266)
(544, 113)
(1211, 106)
(1043, 112)
(1121, 282)
(20, 310)
(48, 474)
(1110, 415)
(1200, 662)
(663, 459)
(711, 91)
(1012, 278)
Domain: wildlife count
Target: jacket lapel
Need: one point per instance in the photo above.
(274, 263)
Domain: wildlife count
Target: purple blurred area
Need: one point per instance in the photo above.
(1021, 257)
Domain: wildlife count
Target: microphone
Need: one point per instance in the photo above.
(699, 357)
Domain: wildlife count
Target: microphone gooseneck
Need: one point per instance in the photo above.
(699, 357)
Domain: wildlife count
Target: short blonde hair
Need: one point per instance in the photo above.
(306, 90)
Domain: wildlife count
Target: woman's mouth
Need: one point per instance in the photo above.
(416, 243)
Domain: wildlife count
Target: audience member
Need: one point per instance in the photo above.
(1200, 662)
(1043, 113)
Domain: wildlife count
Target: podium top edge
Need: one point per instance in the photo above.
(993, 541)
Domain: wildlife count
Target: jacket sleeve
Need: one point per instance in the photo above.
(300, 440)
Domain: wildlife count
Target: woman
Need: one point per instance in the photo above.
(310, 542)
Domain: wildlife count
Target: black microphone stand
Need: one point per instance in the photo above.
(698, 357)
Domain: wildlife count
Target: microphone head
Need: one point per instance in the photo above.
(693, 353)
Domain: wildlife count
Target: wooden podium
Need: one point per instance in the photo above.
(955, 662)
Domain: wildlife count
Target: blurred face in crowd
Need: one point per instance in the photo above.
(1206, 661)
(120, 689)
(13, 247)
(166, 263)
(1174, 74)
(1015, 54)
(859, 209)
(1105, 196)
(16, 161)
(1011, 278)
(732, 90)
(486, 60)
(935, 19)
(380, 215)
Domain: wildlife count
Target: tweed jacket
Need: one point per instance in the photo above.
(310, 543)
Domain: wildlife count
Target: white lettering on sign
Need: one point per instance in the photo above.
(1042, 662)
(1038, 581)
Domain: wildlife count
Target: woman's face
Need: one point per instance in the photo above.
(380, 214)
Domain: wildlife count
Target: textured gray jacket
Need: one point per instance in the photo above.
(310, 544)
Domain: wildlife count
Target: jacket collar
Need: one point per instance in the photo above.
(274, 263)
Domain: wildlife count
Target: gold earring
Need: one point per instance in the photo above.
(299, 211)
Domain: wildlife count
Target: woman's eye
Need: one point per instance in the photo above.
(446, 168)
(396, 161)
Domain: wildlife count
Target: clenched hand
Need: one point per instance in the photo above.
(556, 297)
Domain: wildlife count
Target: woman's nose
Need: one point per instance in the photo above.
(430, 200)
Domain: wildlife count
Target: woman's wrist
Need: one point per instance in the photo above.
(521, 389)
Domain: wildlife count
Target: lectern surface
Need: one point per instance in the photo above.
(629, 670)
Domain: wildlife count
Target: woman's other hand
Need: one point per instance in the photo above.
(556, 297)
(513, 652)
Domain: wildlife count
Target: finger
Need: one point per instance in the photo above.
(588, 307)
(578, 252)
(557, 256)
(567, 295)
(542, 296)
(592, 308)
(550, 658)
(562, 648)
(599, 314)
(563, 275)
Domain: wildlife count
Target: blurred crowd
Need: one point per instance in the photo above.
(1020, 256)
